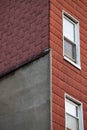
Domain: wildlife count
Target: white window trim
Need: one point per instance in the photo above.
(77, 64)
(81, 126)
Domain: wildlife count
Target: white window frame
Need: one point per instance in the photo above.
(80, 110)
(77, 40)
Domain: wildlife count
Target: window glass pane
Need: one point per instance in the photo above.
(71, 109)
(72, 123)
(70, 50)
(68, 29)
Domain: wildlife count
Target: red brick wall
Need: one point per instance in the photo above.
(66, 77)
(23, 31)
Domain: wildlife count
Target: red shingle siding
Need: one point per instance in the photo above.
(23, 31)
(66, 77)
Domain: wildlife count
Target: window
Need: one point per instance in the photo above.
(71, 45)
(73, 114)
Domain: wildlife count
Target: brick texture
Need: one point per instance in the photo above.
(23, 31)
(65, 77)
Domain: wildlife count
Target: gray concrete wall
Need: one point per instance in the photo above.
(25, 97)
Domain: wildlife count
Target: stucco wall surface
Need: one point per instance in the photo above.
(25, 97)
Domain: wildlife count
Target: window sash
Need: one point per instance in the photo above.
(72, 123)
(72, 108)
(69, 49)
(76, 117)
(69, 33)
